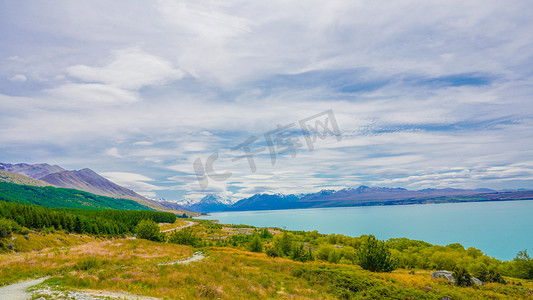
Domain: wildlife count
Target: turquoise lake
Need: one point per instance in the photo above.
(499, 229)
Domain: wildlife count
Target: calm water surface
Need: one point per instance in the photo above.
(499, 229)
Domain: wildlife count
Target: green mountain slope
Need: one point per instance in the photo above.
(59, 197)
(6, 176)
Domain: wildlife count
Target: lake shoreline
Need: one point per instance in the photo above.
(498, 228)
(381, 203)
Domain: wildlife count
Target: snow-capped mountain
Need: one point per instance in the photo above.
(210, 203)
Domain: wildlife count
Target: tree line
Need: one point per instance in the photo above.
(95, 222)
(59, 197)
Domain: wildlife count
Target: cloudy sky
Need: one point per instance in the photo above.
(425, 94)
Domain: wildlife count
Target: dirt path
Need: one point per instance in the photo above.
(197, 256)
(189, 223)
(48, 292)
(17, 291)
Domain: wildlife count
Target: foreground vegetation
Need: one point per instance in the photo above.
(14, 216)
(133, 266)
(247, 262)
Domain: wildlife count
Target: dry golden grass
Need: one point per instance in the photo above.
(120, 253)
(127, 265)
(167, 226)
(39, 241)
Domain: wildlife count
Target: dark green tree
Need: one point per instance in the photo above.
(284, 244)
(300, 253)
(375, 256)
(265, 234)
(184, 237)
(490, 275)
(523, 265)
(256, 245)
(6, 227)
(462, 278)
(149, 230)
(272, 251)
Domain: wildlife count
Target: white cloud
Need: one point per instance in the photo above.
(125, 176)
(129, 68)
(74, 95)
(18, 78)
(117, 81)
(143, 143)
(113, 152)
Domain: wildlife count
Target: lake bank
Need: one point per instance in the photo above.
(499, 229)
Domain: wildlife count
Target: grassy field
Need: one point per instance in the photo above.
(37, 241)
(74, 262)
(178, 223)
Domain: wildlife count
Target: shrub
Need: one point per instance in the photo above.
(272, 251)
(210, 292)
(490, 275)
(324, 251)
(284, 244)
(523, 265)
(8, 226)
(462, 278)
(299, 253)
(265, 234)
(149, 230)
(256, 245)
(184, 237)
(88, 263)
(375, 256)
(344, 283)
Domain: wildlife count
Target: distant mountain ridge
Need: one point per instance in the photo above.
(35, 171)
(210, 203)
(361, 196)
(10, 177)
(89, 181)
(84, 180)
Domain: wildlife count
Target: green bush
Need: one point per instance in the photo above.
(184, 237)
(523, 265)
(256, 245)
(490, 275)
(375, 256)
(271, 251)
(148, 230)
(265, 234)
(299, 253)
(462, 278)
(346, 283)
(7, 227)
(88, 263)
(323, 252)
(284, 244)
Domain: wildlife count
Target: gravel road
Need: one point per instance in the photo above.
(17, 291)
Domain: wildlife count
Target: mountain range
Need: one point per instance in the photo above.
(89, 181)
(209, 203)
(361, 196)
(10, 177)
(84, 180)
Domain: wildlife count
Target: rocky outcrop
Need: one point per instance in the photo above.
(443, 274)
(476, 281)
(449, 276)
